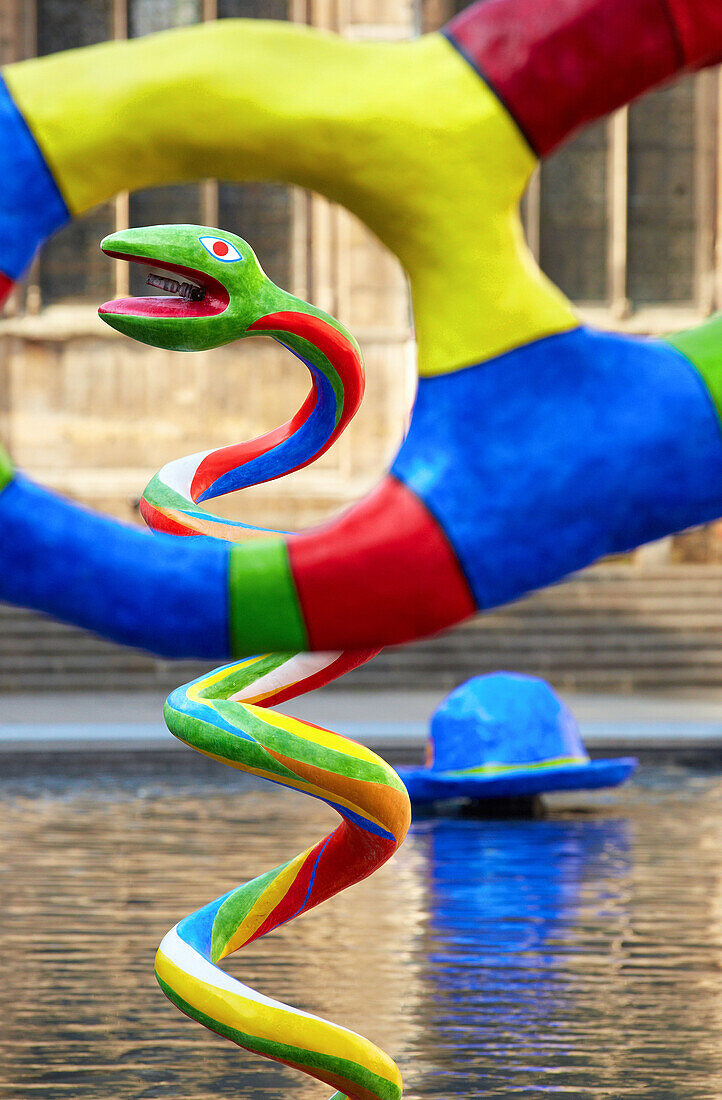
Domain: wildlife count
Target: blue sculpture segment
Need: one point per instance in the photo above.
(32, 207)
(542, 460)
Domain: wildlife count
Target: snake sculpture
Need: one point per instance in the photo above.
(223, 295)
(536, 444)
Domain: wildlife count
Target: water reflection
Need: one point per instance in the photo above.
(506, 901)
(579, 955)
(90, 883)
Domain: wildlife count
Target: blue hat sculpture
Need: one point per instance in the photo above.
(507, 736)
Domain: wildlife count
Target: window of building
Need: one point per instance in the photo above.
(71, 266)
(624, 218)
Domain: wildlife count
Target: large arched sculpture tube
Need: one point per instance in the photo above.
(536, 444)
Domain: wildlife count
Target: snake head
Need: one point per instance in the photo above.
(217, 287)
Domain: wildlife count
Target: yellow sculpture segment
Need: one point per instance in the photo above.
(404, 135)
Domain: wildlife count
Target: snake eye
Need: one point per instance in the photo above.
(220, 249)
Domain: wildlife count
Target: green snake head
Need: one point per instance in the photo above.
(217, 287)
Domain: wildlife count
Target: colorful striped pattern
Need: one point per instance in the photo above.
(219, 716)
(225, 715)
(332, 356)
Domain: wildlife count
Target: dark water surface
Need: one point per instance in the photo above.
(579, 955)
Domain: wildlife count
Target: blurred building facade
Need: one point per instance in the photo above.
(627, 220)
(94, 416)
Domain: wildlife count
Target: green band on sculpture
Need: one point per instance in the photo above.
(7, 470)
(703, 347)
(236, 908)
(269, 618)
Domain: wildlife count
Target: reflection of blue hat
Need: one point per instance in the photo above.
(511, 904)
(507, 735)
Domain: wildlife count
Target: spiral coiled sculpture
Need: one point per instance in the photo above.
(225, 296)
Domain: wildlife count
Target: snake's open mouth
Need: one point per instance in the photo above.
(195, 294)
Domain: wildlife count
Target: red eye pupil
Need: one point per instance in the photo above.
(220, 248)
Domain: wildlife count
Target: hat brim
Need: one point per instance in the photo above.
(425, 785)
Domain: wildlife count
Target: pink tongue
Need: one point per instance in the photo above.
(158, 307)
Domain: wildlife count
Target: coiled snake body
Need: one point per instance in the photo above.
(226, 714)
